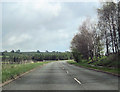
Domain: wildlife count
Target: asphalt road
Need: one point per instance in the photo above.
(62, 76)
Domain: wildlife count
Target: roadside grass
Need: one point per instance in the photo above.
(10, 71)
(104, 69)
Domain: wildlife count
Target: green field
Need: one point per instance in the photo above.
(10, 71)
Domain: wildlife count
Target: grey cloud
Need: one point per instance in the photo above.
(43, 28)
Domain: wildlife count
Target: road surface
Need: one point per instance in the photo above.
(60, 75)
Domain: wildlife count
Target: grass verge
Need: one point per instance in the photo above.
(10, 71)
(104, 69)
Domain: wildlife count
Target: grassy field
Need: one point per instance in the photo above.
(85, 65)
(10, 71)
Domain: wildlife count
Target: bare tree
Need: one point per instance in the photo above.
(87, 41)
(108, 24)
(118, 14)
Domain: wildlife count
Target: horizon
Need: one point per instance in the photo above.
(34, 51)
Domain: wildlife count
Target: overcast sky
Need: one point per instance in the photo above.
(31, 26)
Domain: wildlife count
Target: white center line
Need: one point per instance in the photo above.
(77, 80)
(67, 72)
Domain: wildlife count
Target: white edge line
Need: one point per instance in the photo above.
(77, 80)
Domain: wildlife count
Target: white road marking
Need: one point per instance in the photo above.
(63, 68)
(77, 80)
(67, 72)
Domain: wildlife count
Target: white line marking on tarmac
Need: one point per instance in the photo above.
(63, 68)
(77, 80)
(67, 72)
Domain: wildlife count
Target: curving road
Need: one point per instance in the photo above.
(60, 75)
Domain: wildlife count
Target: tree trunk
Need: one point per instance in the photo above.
(107, 45)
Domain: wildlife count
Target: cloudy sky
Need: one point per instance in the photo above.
(31, 26)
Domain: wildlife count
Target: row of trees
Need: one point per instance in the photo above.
(109, 23)
(52, 56)
(13, 51)
(101, 37)
(34, 56)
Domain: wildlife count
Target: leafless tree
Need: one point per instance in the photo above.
(108, 24)
(87, 41)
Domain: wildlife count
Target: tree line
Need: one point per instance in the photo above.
(22, 57)
(101, 37)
